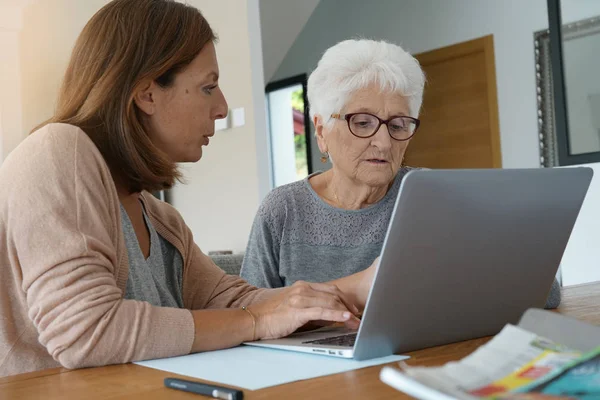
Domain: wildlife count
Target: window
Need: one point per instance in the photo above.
(289, 128)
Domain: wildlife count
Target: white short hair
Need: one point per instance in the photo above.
(352, 65)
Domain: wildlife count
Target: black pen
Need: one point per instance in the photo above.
(216, 392)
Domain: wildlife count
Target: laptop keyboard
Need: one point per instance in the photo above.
(342, 340)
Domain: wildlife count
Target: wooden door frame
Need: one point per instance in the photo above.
(486, 45)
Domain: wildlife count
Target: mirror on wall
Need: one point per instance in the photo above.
(568, 90)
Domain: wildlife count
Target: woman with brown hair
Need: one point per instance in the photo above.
(96, 271)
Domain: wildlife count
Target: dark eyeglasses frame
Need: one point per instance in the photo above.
(347, 117)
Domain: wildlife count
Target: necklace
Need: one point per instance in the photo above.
(337, 200)
(335, 196)
(339, 203)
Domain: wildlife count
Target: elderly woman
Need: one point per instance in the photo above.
(365, 98)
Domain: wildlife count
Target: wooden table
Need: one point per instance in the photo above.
(135, 382)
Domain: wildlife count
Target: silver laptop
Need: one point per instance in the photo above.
(466, 252)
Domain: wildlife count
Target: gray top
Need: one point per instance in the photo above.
(298, 236)
(157, 279)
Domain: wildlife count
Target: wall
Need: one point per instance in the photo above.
(222, 193)
(49, 31)
(1, 139)
(261, 128)
(222, 196)
(581, 261)
(280, 23)
(10, 94)
(429, 24)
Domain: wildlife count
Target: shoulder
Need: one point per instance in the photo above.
(402, 172)
(59, 172)
(55, 147)
(54, 157)
(59, 137)
(406, 169)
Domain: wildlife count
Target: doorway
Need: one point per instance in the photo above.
(459, 118)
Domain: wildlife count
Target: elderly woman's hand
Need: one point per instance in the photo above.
(367, 281)
(300, 304)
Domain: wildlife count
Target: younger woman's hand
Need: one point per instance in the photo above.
(300, 304)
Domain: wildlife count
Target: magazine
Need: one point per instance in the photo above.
(577, 380)
(515, 365)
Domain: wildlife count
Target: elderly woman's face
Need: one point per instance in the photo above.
(374, 160)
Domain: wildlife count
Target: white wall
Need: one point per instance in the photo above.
(10, 83)
(1, 139)
(222, 194)
(261, 128)
(50, 29)
(581, 261)
(429, 24)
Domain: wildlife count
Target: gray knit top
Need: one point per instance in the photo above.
(157, 279)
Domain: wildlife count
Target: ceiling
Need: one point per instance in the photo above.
(281, 23)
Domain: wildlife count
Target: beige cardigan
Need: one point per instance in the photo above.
(64, 267)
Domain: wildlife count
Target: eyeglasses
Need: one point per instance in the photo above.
(365, 125)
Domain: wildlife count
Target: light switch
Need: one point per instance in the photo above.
(238, 117)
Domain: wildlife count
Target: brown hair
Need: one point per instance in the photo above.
(128, 41)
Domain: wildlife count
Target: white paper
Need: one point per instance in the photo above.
(398, 380)
(256, 368)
